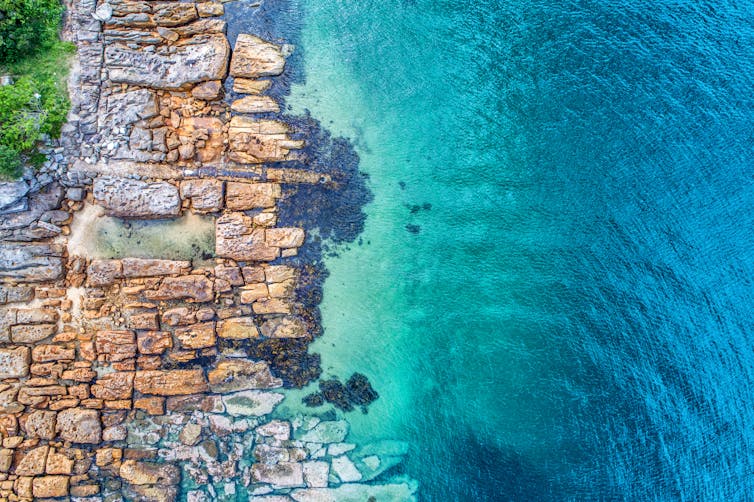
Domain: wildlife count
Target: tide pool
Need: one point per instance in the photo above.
(552, 293)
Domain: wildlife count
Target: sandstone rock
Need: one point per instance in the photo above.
(147, 320)
(198, 59)
(237, 328)
(197, 288)
(272, 306)
(48, 353)
(103, 12)
(33, 462)
(231, 274)
(285, 237)
(211, 128)
(127, 198)
(208, 91)
(170, 382)
(206, 194)
(149, 473)
(356, 492)
(254, 58)
(168, 34)
(31, 262)
(39, 424)
(103, 272)
(283, 327)
(238, 239)
(210, 9)
(197, 336)
(173, 13)
(255, 104)
(150, 493)
(249, 86)
(154, 342)
(14, 363)
(281, 475)
(117, 345)
(31, 333)
(252, 275)
(50, 486)
(241, 374)
(326, 432)
(145, 267)
(254, 141)
(114, 386)
(316, 474)
(179, 316)
(151, 405)
(79, 426)
(243, 196)
(202, 27)
(58, 463)
(251, 403)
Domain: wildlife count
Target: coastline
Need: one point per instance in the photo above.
(153, 378)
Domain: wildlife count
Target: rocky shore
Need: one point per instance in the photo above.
(155, 379)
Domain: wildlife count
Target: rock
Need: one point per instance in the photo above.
(354, 492)
(33, 462)
(316, 474)
(198, 59)
(115, 433)
(14, 363)
(211, 128)
(144, 267)
(326, 432)
(154, 342)
(272, 306)
(190, 434)
(206, 194)
(170, 382)
(27, 333)
(79, 426)
(255, 104)
(345, 469)
(208, 91)
(144, 321)
(277, 429)
(238, 328)
(58, 463)
(150, 493)
(285, 237)
(253, 141)
(254, 58)
(49, 353)
(281, 475)
(173, 13)
(114, 386)
(31, 262)
(151, 405)
(231, 274)
(40, 424)
(243, 196)
(254, 292)
(50, 487)
(118, 345)
(241, 374)
(238, 239)
(197, 336)
(103, 272)
(249, 86)
(284, 327)
(179, 316)
(126, 108)
(210, 9)
(127, 198)
(149, 473)
(168, 34)
(197, 288)
(103, 12)
(360, 391)
(11, 192)
(251, 403)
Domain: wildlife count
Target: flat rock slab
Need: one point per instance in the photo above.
(353, 492)
(254, 57)
(127, 198)
(31, 262)
(11, 192)
(253, 403)
(14, 363)
(198, 59)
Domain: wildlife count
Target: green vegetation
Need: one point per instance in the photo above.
(36, 103)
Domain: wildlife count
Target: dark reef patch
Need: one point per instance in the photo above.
(357, 391)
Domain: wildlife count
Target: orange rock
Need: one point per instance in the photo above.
(197, 288)
(244, 196)
(170, 382)
(237, 328)
(79, 426)
(154, 342)
(32, 463)
(149, 473)
(58, 463)
(198, 336)
(114, 386)
(151, 405)
(144, 321)
(50, 486)
(117, 345)
(145, 267)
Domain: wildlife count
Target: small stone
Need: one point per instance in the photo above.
(191, 434)
(50, 486)
(79, 426)
(14, 363)
(208, 91)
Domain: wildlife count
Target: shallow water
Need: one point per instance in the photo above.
(568, 313)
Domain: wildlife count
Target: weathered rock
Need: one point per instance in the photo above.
(210, 9)
(255, 104)
(118, 345)
(150, 493)
(31, 262)
(114, 386)
(14, 363)
(198, 59)
(58, 463)
(173, 13)
(251, 403)
(210, 128)
(126, 108)
(345, 469)
(48, 353)
(39, 424)
(145, 267)
(149, 473)
(243, 196)
(208, 91)
(79, 426)
(154, 342)
(103, 272)
(316, 474)
(241, 374)
(355, 492)
(278, 429)
(230, 274)
(254, 141)
(179, 316)
(190, 434)
(254, 58)
(206, 194)
(283, 327)
(170, 382)
(31, 333)
(11, 192)
(197, 336)
(249, 86)
(145, 320)
(281, 475)
(50, 487)
(237, 328)
(254, 292)
(326, 432)
(197, 288)
(33, 462)
(127, 198)
(285, 237)
(237, 238)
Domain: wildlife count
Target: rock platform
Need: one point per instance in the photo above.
(155, 379)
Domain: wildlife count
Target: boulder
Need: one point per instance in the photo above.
(154, 342)
(126, 108)
(31, 333)
(170, 382)
(197, 336)
(285, 237)
(316, 474)
(39, 424)
(280, 475)
(198, 59)
(210, 9)
(32, 463)
(103, 272)
(14, 363)
(31, 262)
(254, 403)
(250, 86)
(240, 374)
(206, 194)
(118, 345)
(244, 196)
(79, 426)
(253, 141)
(277, 429)
(237, 328)
(50, 487)
(237, 238)
(149, 473)
(345, 469)
(254, 58)
(255, 104)
(127, 198)
(210, 128)
(173, 13)
(143, 267)
(283, 327)
(208, 91)
(114, 386)
(196, 288)
(11, 193)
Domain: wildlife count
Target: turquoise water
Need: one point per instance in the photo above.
(552, 293)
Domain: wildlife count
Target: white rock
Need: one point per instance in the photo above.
(251, 403)
(345, 469)
(316, 474)
(103, 13)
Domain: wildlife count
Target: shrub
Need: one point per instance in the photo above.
(27, 27)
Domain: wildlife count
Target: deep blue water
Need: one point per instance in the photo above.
(572, 317)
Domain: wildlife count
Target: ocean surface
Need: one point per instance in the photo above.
(553, 290)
